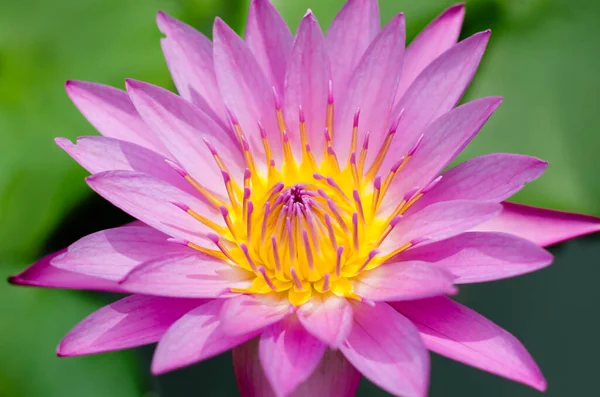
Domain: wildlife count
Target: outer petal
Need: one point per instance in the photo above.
(444, 139)
(43, 274)
(386, 348)
(434, 92)
(248, 313)
(542, 226)
(196, 336)
(111, 112)
(458, 332)
(288, 355)
(189, 55)
(130, 322)
(306, 86)
(438, 221)
(492, 177)
(349, 35)
(404, 281)
(477, 256)
(150, 201)
(371, 88)
(245, 90)
(334, 376)
(328, 318)
(270, 40)
(186, 275)
(434, 40)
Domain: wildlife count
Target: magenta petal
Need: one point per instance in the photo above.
(461, 334)
(43, 274)
(130, 322)
(196, 336)
(349, 35)
(270, 40)
(288, 355)
(404, 281)
(434, 40)
(386, 348)
(477, 256)
(248, 313)
(328, 318)
(186, 275)
(492, 177)
(540, 225)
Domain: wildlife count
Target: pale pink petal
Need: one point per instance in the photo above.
(461, 334)
(111, 112)
(349, 35)
(196, 336)
(441, 34)
(371, 88)
(540, 225)
(270, 40)
(248, 313)
(474, 257)
(492, 177)
(185, 275)
(444, 139)
(387, 349)
(189, 55)
(43, 274)
(289, 355)
(246, 91)
(328, 318)
(151, 201)
(307, 86)
(436, 90)
(404, 281)
(182, 127)
(334, 376)
(439, 221)
(130, 322)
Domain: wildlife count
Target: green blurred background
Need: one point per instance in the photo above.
(544, 58)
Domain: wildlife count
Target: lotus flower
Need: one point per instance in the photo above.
(293, 207)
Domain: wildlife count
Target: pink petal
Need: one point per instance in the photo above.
(130, 322)
(189, 55)
(404, 281)
(476, 256)
(270, 40)
(436, 90)
(307, 86)
(151, 201)
(328, 318)
(540, 225)
(112, 253)
(461, 334)
(182, 127)
(439, 221)
(185, 275)
(334, 376)
(196, 336)
(371, 88)
(288, 355)
(245, 90)
(386, 348)
(441, 34)
(98, 154)
(492, 177)
(111, 112)
(248, 313)
(444, 139)
(350, 33)
(43, 274)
